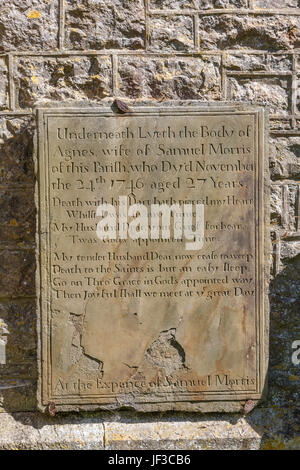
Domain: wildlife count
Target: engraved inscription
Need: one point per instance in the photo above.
(133, 311)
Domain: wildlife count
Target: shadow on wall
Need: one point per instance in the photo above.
(277, 416)
(17, 263)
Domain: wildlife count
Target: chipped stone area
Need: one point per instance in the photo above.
(74, 78)
(170, 78)
(105, 24)
(85, 365)
(166, 354)
(28, 25)
(271, 91)
(171, 33)
(249, 32)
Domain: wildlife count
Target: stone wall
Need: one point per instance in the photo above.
(153, 50)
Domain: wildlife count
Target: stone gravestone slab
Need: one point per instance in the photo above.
(151, 258)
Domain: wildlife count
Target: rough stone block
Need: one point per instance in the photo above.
(28, 25)
(60, 79)
(3, 84)
(171, 4)
(245, 62)
(17, 394)
(275, 4)
(256, 62)
(271, 91)
(284, 200)
(16, 148)
(284, 157)
(20, 320)
(284, 376)
(298, 98)
(105, 24)
(17, 216)
(33, 431)
(185, 434)
(230, 4)
(249, 32)
(19, 370)
(280, 63)
(197, 78)
(171, 33)
(17, 272)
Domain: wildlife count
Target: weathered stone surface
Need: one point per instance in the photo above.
(29, 24)
(171, 4)
(197, 78)
(3, 84)
(17, 393)
(20, 320)
(171, 34)
(163, 350)
(105, 24)
(276, 4)
(269, 430)
(244, 62)
(185, 435)
(29, 431)
(270, 91)
(280, 63)
(74, 78)
(32, 26)
(19, 371)
(17, 216)
(284, 329)
(16, 150)
(249, 32)
(230, 4)
(17, 272)
(284, 201)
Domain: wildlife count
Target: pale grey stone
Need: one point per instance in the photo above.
(171, 34)
(170, 78)
(3, 84)
(249, 32)
(185, 435)
(72, 78)
(108, 24)
(28, 24)
(29, 431)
